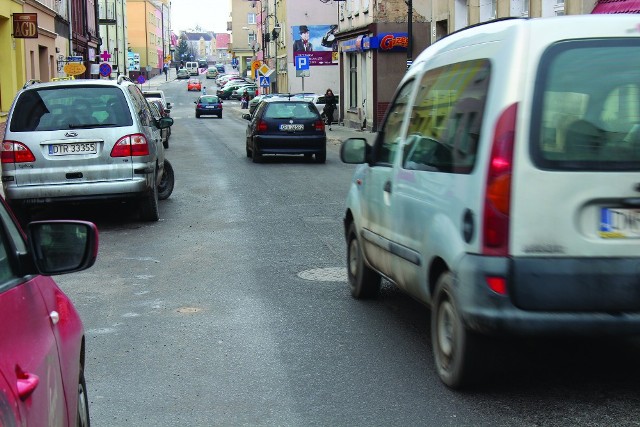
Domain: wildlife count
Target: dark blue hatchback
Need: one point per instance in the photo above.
(282, 126)
(208, 105)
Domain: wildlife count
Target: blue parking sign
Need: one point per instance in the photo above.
(302, 63)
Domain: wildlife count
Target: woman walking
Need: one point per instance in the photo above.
(329, 106)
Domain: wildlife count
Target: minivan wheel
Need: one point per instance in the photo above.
(321, 157)
(364, 282)
(454, 347)
(167, 182)
(149, 204)
(83, 419)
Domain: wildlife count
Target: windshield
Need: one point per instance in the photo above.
(70, 108)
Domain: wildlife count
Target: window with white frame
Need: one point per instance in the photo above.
(353, 80)
(251, 18)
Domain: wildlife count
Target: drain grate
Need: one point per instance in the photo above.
(330, 274)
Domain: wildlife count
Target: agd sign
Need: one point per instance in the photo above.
(25, 25)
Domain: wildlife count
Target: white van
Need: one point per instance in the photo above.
(192, 67)
(503, 189)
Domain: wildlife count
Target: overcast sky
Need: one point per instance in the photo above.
(210, 15)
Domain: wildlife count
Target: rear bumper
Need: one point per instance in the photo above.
(577, 296)
(213, 111)
(270, 144)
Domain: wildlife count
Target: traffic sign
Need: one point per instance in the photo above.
(302, 63)
(264, 81)
(141, 79)
(265, 70)
(75, 59)
(234, 61)
(105, 69)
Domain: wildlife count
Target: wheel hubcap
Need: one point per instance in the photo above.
(354, 256)
(446, 329)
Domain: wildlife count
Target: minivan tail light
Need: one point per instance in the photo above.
(131, 145)
(262, 126)
(319, 125)
(497, 200)
(16, 152)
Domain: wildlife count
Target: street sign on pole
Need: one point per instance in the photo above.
(302, 63)
(264, 81)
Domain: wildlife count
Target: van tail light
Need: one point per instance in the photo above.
(199, 105)
(131, 145)
(16, 152)
(262, 126)
(497, 201)
(319, 125)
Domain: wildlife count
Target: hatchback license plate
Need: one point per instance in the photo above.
(79, 148)
(291, 127)
(617, 223)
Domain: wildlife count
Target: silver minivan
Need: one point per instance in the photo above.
(503, 189)
(80, 141)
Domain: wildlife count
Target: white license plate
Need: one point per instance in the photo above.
(617, 223)
(291, 127)
(78, 148)
(211, 106)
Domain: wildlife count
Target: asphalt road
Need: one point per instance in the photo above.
(233, 310)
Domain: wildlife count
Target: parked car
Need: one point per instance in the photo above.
(192, 68)
(208, 105)
(194, 84)
(281, 126)
(183, 73)
(502, 189)
(220, 68)
(319, 101)
(212, 73)
(157, 111)
(226, 91)
(255, 101)
(79, 141)
(42, 342)
(250, 88)
(158, 94)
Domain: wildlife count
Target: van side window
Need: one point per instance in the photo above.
(586, 107)
(446, 119)
(141, 106)
(387, 144)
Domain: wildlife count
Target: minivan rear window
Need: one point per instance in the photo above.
(70, 107)
(586, 107)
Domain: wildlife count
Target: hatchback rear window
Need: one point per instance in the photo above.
(209, 100)
(290, 110)
(586, 111)
(70, 107)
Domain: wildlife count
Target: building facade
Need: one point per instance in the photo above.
(149, 34)
(112, 18)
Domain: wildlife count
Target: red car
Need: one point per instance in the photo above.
(194, 84)
(42, 346)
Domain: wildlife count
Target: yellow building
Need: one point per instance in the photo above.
(147, 32)
(12, 65)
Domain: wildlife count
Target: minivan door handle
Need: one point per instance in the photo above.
(387, 187)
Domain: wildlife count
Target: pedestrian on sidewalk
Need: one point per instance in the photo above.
(329, 106)
(165, 69)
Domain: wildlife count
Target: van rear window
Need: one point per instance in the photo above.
(586, 109)
(70, 107)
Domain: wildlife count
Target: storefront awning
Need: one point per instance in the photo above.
(617, 6)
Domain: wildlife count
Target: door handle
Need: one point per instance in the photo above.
(387, 187)
(27, 384)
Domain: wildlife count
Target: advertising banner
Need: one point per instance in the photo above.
(316, 42)
(25, 25)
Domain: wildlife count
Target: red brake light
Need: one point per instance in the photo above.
(319, 125)
(16, 152)
(262, 126)
(131, 145)
(497, 284)
(497, 202)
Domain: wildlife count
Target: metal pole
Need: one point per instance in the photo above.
(410, 33)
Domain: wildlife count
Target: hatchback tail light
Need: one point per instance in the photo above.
(16, 152)
(199, 105)
(497, 200)
(131, 145)
(262, 126)
(319, 125)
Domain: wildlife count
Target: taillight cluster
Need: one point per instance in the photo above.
(498, 191)
(262, 126)
(16, 152)
(319, 126)
(131, 145)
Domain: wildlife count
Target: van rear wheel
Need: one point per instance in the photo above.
(365, 282)
(454, 346)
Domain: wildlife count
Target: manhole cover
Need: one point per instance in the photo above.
(189, 310)
(330, 274)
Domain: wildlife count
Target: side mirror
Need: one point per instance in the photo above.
(195, 102)
(246, 116)
(168, 106)
(354, 150)
(165, 122)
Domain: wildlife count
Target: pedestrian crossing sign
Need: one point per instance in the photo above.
(264, 81)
